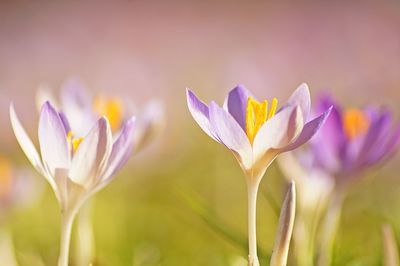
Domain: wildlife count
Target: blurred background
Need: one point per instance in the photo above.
(153, 212)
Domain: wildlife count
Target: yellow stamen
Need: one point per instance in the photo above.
(256, 115)
(355, 123)
(74, 142)
(6, 174)
(111, 108)
(272, 111)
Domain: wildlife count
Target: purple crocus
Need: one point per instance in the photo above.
(253, 133)
(353, 140)
(75, 167)
(256, 134)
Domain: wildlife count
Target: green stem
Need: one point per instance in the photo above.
(85, 239)
(330, 228)
(252, 190)
(67, 219)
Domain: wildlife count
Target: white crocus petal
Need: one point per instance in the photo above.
(53, 140)
(200, 113)
(314, 185)
(121, 150)
(92, 154)
(231, 134)
(26, 143)
(278, 131)
(301, 97)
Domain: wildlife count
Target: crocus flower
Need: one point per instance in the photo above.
(351, 141)
(256, 134)
(75, 167)
(82, 110)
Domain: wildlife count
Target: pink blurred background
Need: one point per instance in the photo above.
(156, 49)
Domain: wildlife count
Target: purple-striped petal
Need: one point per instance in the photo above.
(200, 113)
(231, 134)
(92, 154)
(25, 142)
(308, 131)
(392, 145)
(236, 104)
(301, 97)
(121, 149)
(65, 122)
(387, 143)
(330, 140)
(278, 131)
(53, 139)
(374, 142)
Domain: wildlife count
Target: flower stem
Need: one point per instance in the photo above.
(329, 230)
(85, 238)
(252, 190)
(67, 219)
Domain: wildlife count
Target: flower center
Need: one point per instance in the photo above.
(355, 123)
(6, 174)
(111, 108)
(74, 142)
(256, 115)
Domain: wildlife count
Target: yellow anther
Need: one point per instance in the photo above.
(6, 175)
(355, 123)
(256, 115)
(74, 142)
(111, 108)
(272, 111)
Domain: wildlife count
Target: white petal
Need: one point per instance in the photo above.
(231, 134)
(24, 140)
(92, 154)
(27, 146)
(278, 131)
(301, 97)
(53, 140)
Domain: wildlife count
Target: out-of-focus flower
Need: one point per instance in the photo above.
(350, 142)
(83, 109)
(17, 186)
(74, 164)
(353, 140)
(256, 135)
(315, 188)
(314, 185)
(75, 167)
